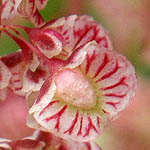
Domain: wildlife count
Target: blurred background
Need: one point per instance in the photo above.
(128, 24)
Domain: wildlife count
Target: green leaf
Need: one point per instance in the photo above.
(53, 9)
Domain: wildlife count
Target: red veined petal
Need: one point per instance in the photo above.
(86, 97)
(23, 79)
(67, 122)
(79, 54)
(36, 18)
(9, 8)
(28, 9)
(46, 94)
(78, 30)
(17, 66)
(114, 78)
(33, 80)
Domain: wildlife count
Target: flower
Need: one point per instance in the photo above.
(17, 75)
(72, 31)
(89, 82)
(73, 80)
(78, 99)
(57, 38)
(42, 140)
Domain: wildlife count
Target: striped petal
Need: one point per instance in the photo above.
(78, 102)
(17, 67)
(33, 80)
(9, 8)
(36, 18)
(113, 77)
(79, 30)
(23, 79)
(29, 10)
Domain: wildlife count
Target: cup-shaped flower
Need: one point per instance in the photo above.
(46, 141)
(80, 97)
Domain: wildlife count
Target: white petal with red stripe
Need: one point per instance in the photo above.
(69, 123)
(86, 96)
(27, 7)
(9, 8)
(33, 80)
(16, 66)
(29, 10)
(79, 30)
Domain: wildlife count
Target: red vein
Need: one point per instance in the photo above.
(95, 33)
(81, 37)
(17, 80)
(12, 8)
(104, 111)
(73, 124)
(80, 129)
(88, 145)
(90, 127)
(17, 89)
(102, 39)
(115, 95)
(100, 68)
(50, 104)
(113, 104)
(15, 73)
(2, 9)
(109, 73)
(121, 82)
(89, 61)
(57, 116)
(98, 121)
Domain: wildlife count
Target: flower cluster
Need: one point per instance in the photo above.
(73, 80)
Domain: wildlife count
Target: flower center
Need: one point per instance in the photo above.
(74, 88)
